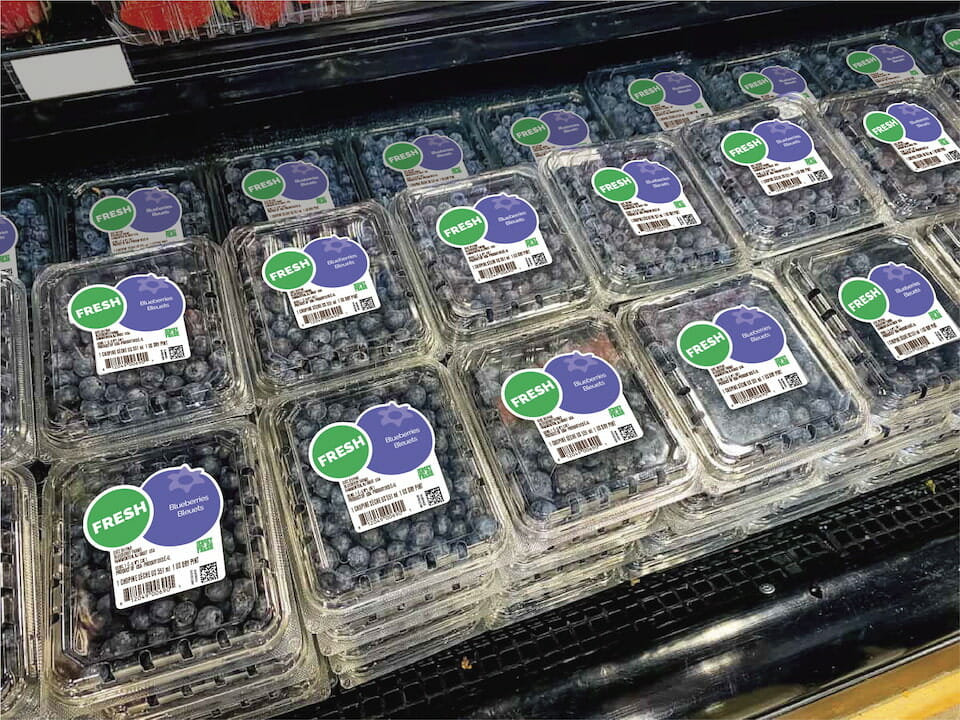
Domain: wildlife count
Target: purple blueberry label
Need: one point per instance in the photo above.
(785, 80)
(156, 210)
(401, 438)
(152, 303)
(187, 504)
(588, 383)
(439, 152)
(908, 292)
(510, 219)
(918, 123)
(678, 89)
(786, 141)
(892, 58)
(8, 235)
(656, 183)
(755, 336)
(566, 128)
(339, 261)
(302, 180)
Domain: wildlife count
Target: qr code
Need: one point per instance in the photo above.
(953, 155)
(434, 496)
(628, 432)
(792, 381)
(818, 175)
(176, 352)
(208, 572)
(688, 219)
(947, 333)
(366, 303)
(539, 259)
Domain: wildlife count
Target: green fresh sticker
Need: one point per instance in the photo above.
(530, 131)
(863, 62)
(262, 184)
(614, 184)
(288, 269)
(743, 147)
(339, 451)
(884, 127)
(530, 394)
(951, 38)
(117, 516)
(646, 92)
(863, 299)
(112, 213)
(402, 156)
(96, 307)
(755, 84)
(461, 226)
(704, 345)
(205, 544)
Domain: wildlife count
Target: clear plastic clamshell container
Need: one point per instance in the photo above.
(881, 298)
(164, 577)
(647, 97)
(18, 434)
(936, 39)
(138, 211)
(134, 345)
(31, 231)
(417, 154)
(779, 172)
(285, 180)
(733, 82)
(490, 251)
(581, 451)
(950, 84)
(880, 58)
(643, 220)
(945, 237)
(525, 130)
(906, 138)
(19, 545)
(401, 516)
(759, 394)
(323, 296)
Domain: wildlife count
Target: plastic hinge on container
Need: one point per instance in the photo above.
(140, 210)
(756, 389)
(906, 140)
(20, 540)
(323, 296)
(18, 432)
(490, 251)
(945, 237)
(217, 600)
(881, 299)
(647, 97)
(642, 218)
(31, 231)
(936, 38)
(133, 345)
(781, 175)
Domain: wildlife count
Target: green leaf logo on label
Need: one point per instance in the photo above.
(262, 184)
(288, 269)
(863, 62)
(743, 147)
(112, 213)
(96, 307)
(402, 156)
(339, 451)
(704, 345)
(117, 516)
(646, 92)
(863, 299)
(884, 127)
(614, 184)
(530, 131)
(756, 84)
(461, 226)
(531, 394)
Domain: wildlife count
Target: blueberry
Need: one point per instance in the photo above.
(209, 620)
(33, 212)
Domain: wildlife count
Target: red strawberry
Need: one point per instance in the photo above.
(20, 16)
(166, 14)
(262, 13)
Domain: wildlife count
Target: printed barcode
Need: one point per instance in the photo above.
(325, 314)
(208, 572)
(537, 260)
(627, 432)
(818, 175)
(176, 352)
(786, 184)
(688, 219)
(912, 345)
(750, 393)
(149, 589)
(791, 381)
(384, 512)
(654, 225)
(579, 447)
(500, 269)
(366, 303)
(947, 333)
(927, 161)
(953, 155)
(125, 360)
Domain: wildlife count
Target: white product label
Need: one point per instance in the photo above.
(915, 133)
(674, 99)
(426, 161)
(886, 65)
(552, 130)
(290, 189)
(774, 81)
(649, 194)
(148, 217)
(8, 245)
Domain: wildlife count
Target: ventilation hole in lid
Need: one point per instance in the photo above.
(146, 661)
(223, 639)
(183, 647)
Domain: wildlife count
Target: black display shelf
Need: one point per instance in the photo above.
(775, 620)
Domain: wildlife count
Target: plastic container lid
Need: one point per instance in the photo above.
(31, 220)
(880, 58)
(18, 438)
(19, 541)
(950, 83)
(283, 181)
(172, 204)
(946, 237)
(885, 283)
(594, 462)
(910, 149)
(215, 601)
(378, 535)
(422, 152)
(936, 38)
(312, 332)
(785, 399)
(647, 97)
(780, 175)
(638, 244)
(522, 131)
(166, 354)
(490, 251)
(733, 82)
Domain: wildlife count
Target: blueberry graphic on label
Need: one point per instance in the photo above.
(302, 180)
(153, 303)
(509, 218)
(918, 123)
(679, 89)
(588, 383)
(908, 292)
(755, 335)
(439, 152)
(785, 80)
(566, 128)
(187, 503)
(656, 183)
(786, 141)
(892, 59)
(156, 210)
(400, 436)
(8, 235)
(339, 261)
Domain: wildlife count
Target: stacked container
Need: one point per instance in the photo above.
(31, 231)
(18, 436)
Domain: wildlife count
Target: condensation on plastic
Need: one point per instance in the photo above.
(65, 429)
(926, 34)
(332, 349)
(464, 308)
(41, 238)
(623, 264)
(721, 80)
(18, 432)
